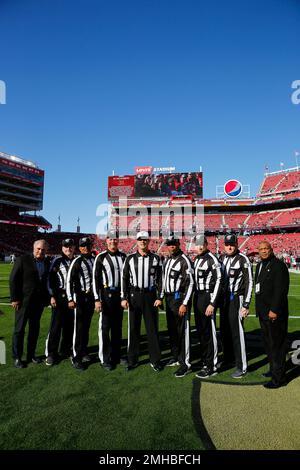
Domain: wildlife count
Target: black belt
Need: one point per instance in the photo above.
(115, 290)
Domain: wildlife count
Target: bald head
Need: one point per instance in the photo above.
(265, 250)
(40, 248)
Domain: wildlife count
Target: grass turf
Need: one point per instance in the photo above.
(61, 408)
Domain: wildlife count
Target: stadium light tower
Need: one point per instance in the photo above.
(78, 226)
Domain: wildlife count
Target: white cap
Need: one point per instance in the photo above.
(142, 235)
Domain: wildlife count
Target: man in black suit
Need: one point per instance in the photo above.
(29, 296)
(271, 295)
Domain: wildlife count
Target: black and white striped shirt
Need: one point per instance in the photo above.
(178, 276)
(80, 276)
(107, 272)
(141, 272)
(58, 272)
(237, 276)
(208, 275)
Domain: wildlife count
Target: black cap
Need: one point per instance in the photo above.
(230, 239)
(85, 241)
(67, 242)
(172, 240)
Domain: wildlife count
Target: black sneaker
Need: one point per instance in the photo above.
(86, 358)
(272, 384)
(205, 373)
(238, 374)
(19, 364)
(49, 361)
(172, 363)
(182, 371)
(107, 366)
(157, 366)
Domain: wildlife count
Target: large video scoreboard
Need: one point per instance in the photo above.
(156, 185)
(21, 183)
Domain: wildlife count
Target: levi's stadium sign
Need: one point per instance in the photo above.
(148, 170)
(164, 169)
(143, 170)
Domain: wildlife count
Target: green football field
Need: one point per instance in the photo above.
(61, 408)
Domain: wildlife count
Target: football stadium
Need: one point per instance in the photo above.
(61, 408)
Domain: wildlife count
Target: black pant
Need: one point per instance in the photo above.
(274, 336)
(142, 304)
(110, 328)
(232, 332)
(62, 324)
(30, 313)
(179, 330)
(206, 329)
(85, 304)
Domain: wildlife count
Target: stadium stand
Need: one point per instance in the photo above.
(274, 214)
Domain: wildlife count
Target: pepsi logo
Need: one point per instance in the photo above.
(233, 188)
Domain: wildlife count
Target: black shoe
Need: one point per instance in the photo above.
(107, 366)
(86, 358)
(205, 373)
(34, 360)
(268, 374)
(157, 366)
(49, 361)
(172, 362)
(182, 371)
(19, 364)
(78, 365)
(130, 367)
(272, 385)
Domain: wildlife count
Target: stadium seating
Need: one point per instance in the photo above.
(284, 181)
(17, 231)
(270, 183)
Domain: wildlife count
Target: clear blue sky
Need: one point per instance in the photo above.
(96, 85)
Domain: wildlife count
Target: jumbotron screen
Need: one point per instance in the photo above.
(156, 185)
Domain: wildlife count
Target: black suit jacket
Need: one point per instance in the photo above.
(25, 284)
(274, 287)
